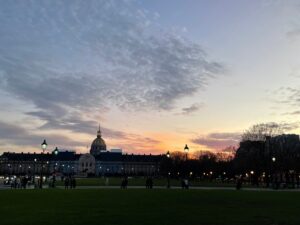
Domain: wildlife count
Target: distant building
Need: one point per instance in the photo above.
(98, 162)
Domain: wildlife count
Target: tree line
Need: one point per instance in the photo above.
(265, 153)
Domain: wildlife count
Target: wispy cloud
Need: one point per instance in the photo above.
(192, 109)
(11, 134)
(218, 140)
(89, 55)
(66, 59)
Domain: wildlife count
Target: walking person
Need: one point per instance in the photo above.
(238, 183)
(147, 183)
(67, 182)
(73, 182)
(150, 182)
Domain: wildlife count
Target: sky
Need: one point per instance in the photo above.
(155, 74)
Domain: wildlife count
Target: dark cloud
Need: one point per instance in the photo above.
(192, 109)
(11, 134)
(289, 126)
(218, 141)
(17, 135)
(230, 136)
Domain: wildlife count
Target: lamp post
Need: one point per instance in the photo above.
(34, 169)
(274, 178)
(44, 146)
(186, 151)
(168, 158)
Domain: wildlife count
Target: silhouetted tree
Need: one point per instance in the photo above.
(259, 132)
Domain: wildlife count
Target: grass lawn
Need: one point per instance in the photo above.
(140, 181)
(141, 206)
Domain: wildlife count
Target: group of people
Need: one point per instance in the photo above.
(70, 182)
(19, 182)
(149, 183)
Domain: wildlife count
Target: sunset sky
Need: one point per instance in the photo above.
(155, 74)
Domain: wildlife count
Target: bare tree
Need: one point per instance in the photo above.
(259, 132)
(178, 156)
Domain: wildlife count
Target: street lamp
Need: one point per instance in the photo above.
(186, 150)
(44, 146)
(56, 151)
(274, 179)
(168, 156)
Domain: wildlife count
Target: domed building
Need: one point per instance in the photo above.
(98, 145)
(100, 162)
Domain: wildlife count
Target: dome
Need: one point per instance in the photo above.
(98, 144)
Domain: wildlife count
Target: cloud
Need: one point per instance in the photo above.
(11, 135)
(287, 98)
(68, 59)
(218, 141)
(289, 126)
(17, 135)
(57, 54)
(192, 109)
(297, 112)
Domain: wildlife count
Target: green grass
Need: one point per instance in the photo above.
(140, 181)
(145, 207)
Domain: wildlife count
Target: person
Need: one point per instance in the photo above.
(106, 181)
(124, 183)
(66, 182)
(18, 182)
(23, 182)
(238, 183)
(182, 184)
(150, 182)
(73, 181)
(186, 184)
(53, 181)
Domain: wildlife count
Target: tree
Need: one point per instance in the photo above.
(259, 132)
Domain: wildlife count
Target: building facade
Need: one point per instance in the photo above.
(99, 162)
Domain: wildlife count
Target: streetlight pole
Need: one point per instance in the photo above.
(186, 150)
(168, 156)
(44, 146)
(273, 173)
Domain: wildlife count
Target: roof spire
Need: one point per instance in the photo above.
(99, 132)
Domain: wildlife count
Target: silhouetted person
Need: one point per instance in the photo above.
(73, 182)
(124, 183)
(239, 183)
(53, 181)
(23, 182)
(67, 180)
(186, 184)
(150, 182)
